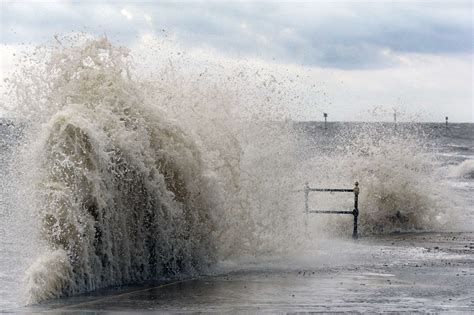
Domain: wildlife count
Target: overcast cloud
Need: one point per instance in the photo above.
(337, 34)
(363, 38)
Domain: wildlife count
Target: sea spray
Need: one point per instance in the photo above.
(402, 188)
(122, 193)
(134, 178)
(463, 170)
(400, 179)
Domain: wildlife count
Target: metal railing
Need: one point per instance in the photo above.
(354, 212)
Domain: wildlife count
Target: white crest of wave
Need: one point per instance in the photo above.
(136, 180)
(399, 180)
(49, 275)
(463, 170)
(123, 194)
(403, 192)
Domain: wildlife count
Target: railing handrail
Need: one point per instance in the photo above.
(331, 189)
(354, 212)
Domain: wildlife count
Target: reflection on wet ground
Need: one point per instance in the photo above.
(407, 272)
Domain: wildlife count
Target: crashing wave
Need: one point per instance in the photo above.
(138, 180)
(124, 196)
(463, 170)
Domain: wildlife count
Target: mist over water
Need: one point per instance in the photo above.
(129, 172)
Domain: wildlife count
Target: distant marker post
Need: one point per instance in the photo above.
(446, 122)
(325, 120)
(395, 118)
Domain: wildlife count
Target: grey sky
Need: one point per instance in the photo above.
(336, 38)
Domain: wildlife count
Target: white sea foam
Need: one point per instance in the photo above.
(132, 179)
(121, 190)
(401, 186)
(463, 170)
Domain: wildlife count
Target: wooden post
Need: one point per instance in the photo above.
(325, 120)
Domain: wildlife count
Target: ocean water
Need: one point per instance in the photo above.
(454, 156)
(109, 180)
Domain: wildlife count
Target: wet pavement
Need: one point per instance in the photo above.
(423, 272)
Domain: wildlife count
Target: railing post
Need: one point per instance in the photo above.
(306, 193)
(355, 212)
